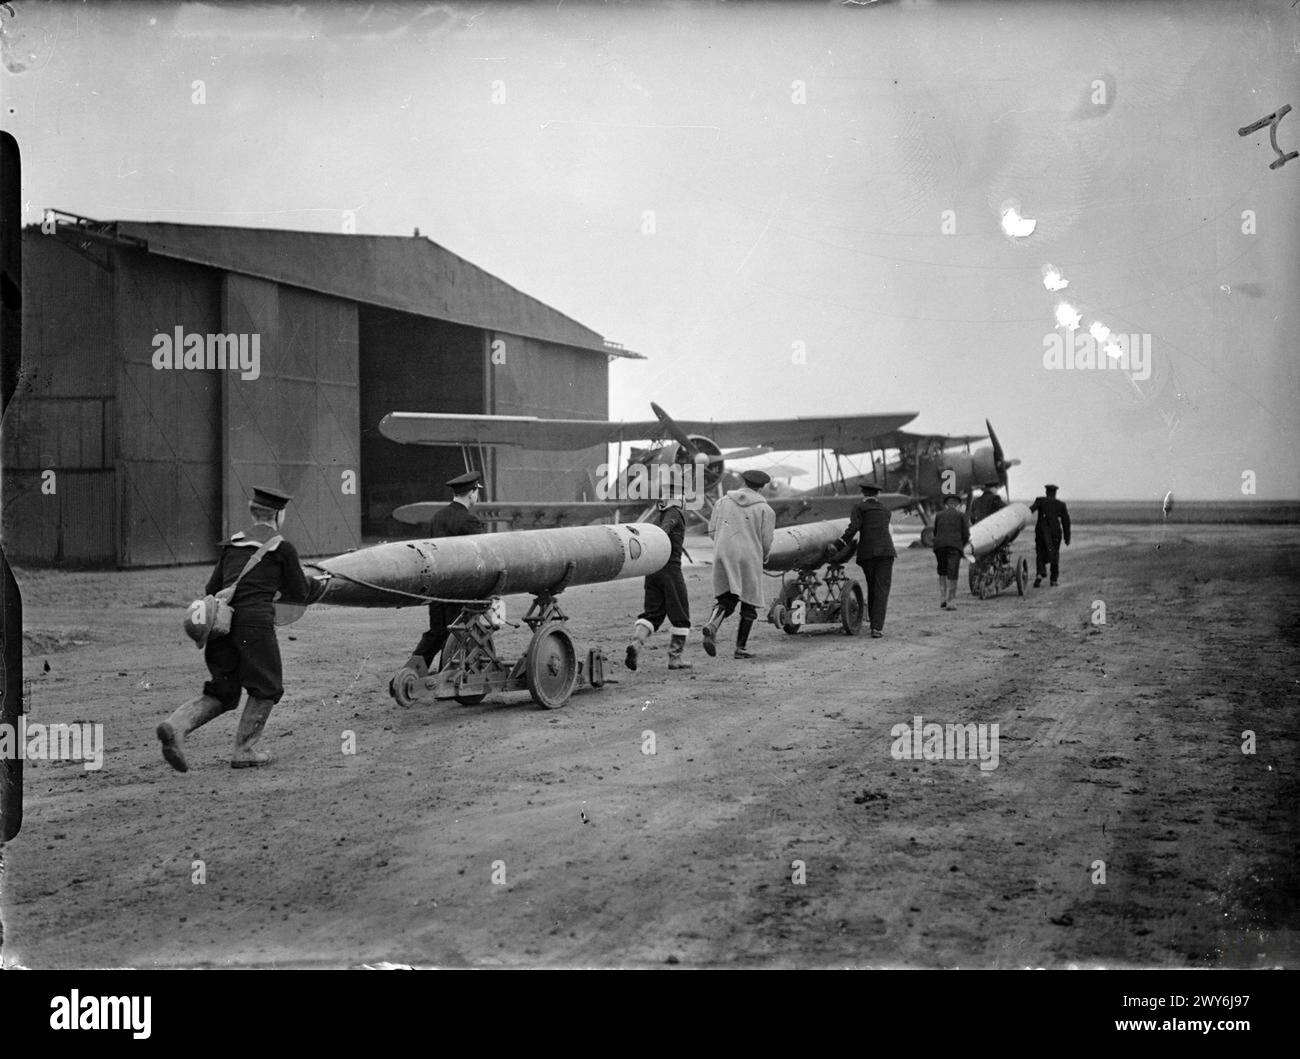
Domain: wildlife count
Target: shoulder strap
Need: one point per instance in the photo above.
(274, 542)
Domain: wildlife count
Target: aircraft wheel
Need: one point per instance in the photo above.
(851, 608)
(974, 580)
(984, 588)
(1022, 575)
(927, 537)
(551, 666)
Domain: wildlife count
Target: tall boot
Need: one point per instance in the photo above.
(675, 648)
(943, 592)
(194, 714)
(640, 634)
(251, 723)
(952, 593)
(710, 631)
(742, 637)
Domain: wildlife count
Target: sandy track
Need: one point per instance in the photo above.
(1119, 743)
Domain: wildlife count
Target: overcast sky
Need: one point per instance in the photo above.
(836, 255)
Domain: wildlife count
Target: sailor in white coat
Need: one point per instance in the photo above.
(742, 527)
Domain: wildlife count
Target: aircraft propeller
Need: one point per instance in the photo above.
(1000, 462)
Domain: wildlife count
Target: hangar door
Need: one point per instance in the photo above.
(295, 425)
(168, 422)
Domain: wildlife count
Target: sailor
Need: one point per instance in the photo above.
(247, 658)
(742, 527)
(869, 522)
(1052, 528)
(665, 590)
(951, 539)
(987, 503)
(457, 519)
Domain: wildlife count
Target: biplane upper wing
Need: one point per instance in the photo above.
(842, 433)
(528, 432)
(853, 433)
(897, 439)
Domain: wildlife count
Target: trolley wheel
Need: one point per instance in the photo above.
(973, 578)
(851, 608)
(468, 699)
(551, 666)
(404, 684)
(788, 595)
(1022, 575)
(984, 588)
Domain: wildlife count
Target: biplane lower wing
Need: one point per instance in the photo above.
(544, 514)
(540, 514)
(792, 510)
(851, 433)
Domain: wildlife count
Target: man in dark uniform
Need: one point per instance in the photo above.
(247, 658)
(1052, 528)
(665, 590)
(454, 520)
(870, 524)
(986, 504)
(951, 539)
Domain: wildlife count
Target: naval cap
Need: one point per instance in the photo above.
(275, 499)
(755, 479)
(951, 496)
(465, 482)
(870, 488)
(1051, 488)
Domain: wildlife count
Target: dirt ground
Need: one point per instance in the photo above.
(1119, 743)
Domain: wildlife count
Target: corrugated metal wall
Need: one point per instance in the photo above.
(412, 364)
(62, 417)
(296, 425)
(555, 382)
(411, 275)
(169, 422)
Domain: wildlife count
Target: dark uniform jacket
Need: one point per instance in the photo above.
(985, 505)
(455, 520)
(1053, 519)
(951, 529)
(870, 523)
(278, 576)
(672, 520)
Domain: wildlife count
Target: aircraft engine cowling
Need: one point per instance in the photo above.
(984, 467)
(713, 471)
(953, 473)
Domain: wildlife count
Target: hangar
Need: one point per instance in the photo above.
(153, 448)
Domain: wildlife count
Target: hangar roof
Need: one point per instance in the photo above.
(410, 273)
